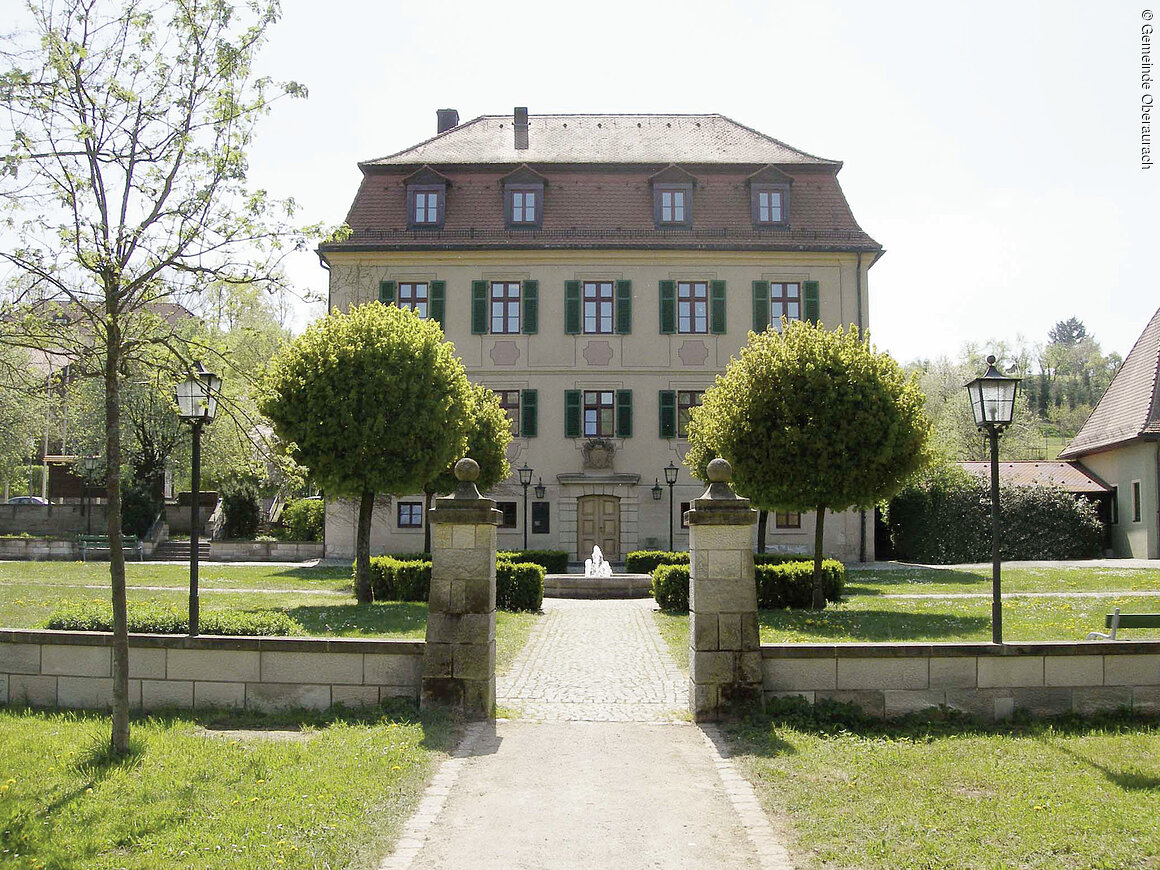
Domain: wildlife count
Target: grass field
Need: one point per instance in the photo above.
(322, 601)
(906, 580)
(1036, 796)
(211, 793)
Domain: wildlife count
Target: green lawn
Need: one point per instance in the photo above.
(31, 591)
(211, 793)
(1042, 796)
(906, 580)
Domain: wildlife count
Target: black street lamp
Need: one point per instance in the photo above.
(525, 481)
(657, 489)
(540, 488)
(88, 465)
(671, 479)
(993, 404)
(197, 399)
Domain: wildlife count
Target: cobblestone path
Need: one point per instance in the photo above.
(595, 661)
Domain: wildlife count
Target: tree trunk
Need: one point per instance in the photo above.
(762, 522)
(819, 588)
(362, 549)
(120, 743)
(427, 523)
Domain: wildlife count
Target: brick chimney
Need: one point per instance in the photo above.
(521, 127)
(448, 118)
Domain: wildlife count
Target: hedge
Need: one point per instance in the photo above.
(151, 617)
(646, 561)
(304, 519)
(518, 585)
(946, 519)
(553, 561)
(786, 584)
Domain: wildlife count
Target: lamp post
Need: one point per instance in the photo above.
(525, 481)
(197, 398)
(87, 465)
(671, 479)
(993, 404)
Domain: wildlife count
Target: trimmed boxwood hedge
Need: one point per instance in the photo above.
(645, 561)
(518, 585)
(780, 585)
(152, 617)
(553, 561)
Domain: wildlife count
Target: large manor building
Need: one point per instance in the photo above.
(598, 272)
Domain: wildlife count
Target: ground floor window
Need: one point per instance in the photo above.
(508, 509)
(787, 520)
(684, 510)
(541, 518)
(1136, 507)
(410, 514)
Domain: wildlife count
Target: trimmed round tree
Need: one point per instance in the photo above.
(811, 420)
(372, 400)
(489, 432)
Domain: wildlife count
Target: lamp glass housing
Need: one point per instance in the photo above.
(525, 475)
(992, 397)
(671, 474)
(657, 490)
(540, 488)
(197, 395)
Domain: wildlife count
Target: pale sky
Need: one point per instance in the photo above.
(992, 148)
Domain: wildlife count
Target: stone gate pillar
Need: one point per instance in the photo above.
(459, 656)
(724, 648)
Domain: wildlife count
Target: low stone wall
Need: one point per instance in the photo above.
(39, 549)
(1042, 679)
(265, 551)
(579, 586)
(51, 519)
(74, 669)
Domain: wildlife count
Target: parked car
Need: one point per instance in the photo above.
(27, 499)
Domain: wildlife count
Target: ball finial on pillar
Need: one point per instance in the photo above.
(719, 471)
(467, 469)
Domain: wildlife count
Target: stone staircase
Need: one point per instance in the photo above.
(178, 551)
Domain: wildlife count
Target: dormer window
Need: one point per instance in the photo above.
(426, 199)
(672, 197)
(769, 197)
(523, 198)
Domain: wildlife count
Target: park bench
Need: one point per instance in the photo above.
(101, 542)
(1117, 620)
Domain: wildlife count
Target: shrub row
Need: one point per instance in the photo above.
(552, 561)
(304, 519)
(945, 518)
(780, 585)
(646, 561)
(152, 617)
(518, 585)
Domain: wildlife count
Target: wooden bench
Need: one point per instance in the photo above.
(1117, 620)
(101, 542)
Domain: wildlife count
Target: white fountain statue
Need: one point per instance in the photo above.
(596, 566)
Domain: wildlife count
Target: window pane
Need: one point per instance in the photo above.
(791, 291)
(792, 311)
(678, 205)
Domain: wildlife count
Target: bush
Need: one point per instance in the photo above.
(152, 617)
(138, 509)
(519, 585)
(242, 511)
(790, 584)
(395, 579)
(780, 585)
(945, 518)
(644, 561)
(553, 561)
(304, 519)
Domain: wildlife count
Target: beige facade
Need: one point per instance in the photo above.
(1133, 470)
(589, 499)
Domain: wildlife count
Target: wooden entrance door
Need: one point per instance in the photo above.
(598, 520)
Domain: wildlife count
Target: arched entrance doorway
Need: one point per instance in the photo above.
(598, 524)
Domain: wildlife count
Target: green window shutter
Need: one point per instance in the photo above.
(624, 413)
(437, 305)
(572, 427)
(530, 293)
(386, 292)
(624, 307)
(760, 306)
(668, 406)
(811, 304)
(479, 308)
(668, 307)
(529, 421)
(717, 307)
(572, 307)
